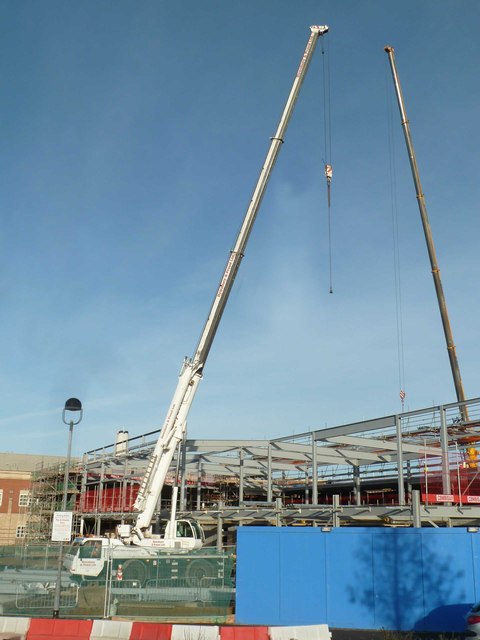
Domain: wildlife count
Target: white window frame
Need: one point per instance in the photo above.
(21, 531)
(1, 497)
(24, 498)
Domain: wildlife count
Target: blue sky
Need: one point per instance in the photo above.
(132, 137)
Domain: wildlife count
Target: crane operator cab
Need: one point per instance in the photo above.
(190, 529)
(188, 534)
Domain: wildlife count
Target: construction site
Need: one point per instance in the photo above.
(366, 473)
(410, 468)
(148, 525)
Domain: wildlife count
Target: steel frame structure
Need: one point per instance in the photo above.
(393, 450)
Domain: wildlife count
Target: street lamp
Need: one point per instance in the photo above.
(72, 405)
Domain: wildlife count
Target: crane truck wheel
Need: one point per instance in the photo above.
(134, 570)
(199, 569)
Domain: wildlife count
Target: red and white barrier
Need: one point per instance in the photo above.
(62, 629)
(15, 627)
(310, 632)
(111, 630)
(195, 632)
(244, 633)
(48, 628)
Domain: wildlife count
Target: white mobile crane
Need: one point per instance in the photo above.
(173, 430)
(187, 534)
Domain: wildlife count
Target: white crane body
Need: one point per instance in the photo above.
(174, 426)
(184, 534)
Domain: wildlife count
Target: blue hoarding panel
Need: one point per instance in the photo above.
(448, 577)
(397, 575)
(363, 578)
(258, 576)
(350, 579)
(304, 579)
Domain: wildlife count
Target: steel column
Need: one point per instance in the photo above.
(356, 485)
(335, 510)
(241, 454)
(314, 471)
(446, 483)
(417, 520)
(401, 484)
(269, 473)
(220, 527)
(199, 486)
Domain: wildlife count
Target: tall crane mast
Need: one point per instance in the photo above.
(174, 426)
(452, 354)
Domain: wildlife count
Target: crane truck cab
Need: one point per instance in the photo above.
(86, 557)
(178, 534)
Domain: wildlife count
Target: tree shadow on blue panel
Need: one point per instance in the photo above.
(406, 576)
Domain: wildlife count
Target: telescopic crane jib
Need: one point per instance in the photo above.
(457, 379)
(173, 430)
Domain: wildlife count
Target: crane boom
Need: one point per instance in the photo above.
(442, 305)
(173, 430)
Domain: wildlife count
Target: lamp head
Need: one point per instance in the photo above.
(72, 404)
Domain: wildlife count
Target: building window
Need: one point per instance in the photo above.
(24, 499)
(1, 497)
(21, 531)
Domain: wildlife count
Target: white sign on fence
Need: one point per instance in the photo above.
(62, 526)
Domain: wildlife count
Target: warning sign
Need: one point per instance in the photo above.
(62, 526)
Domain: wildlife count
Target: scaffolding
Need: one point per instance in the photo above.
(46, 498)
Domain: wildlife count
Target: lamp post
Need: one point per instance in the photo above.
(72, 405)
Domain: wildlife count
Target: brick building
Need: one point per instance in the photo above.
(16, 471)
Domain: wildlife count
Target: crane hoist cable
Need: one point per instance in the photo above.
(327, 111)
(396, 244)
(327, 160)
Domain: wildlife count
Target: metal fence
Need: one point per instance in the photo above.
(31, 598)
(174, 586)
